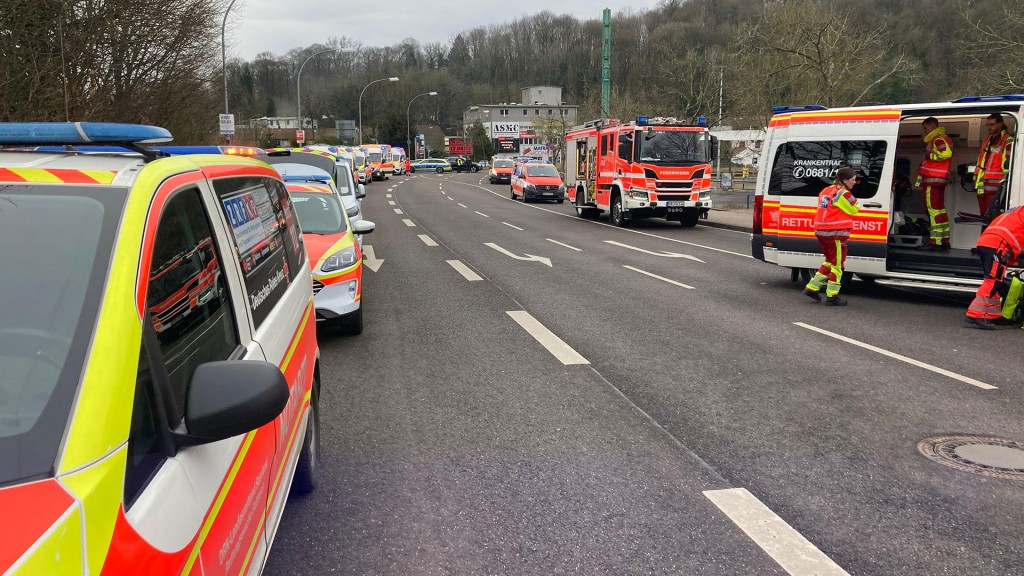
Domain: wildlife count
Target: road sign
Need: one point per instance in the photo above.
(300, 136)
(227, 124)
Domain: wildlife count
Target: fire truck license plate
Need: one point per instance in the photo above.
(671, 204)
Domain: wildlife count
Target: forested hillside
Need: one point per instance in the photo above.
(671, 60)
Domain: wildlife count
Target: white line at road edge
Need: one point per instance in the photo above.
(547, 338)
(482, 214)
(409, 223)
(427, 240)
(398, 211)
(387, 195)
(785, 545)
(511, 226)
(464, 270)
(566, 245)
(687, 286)
(900, 357)
(391, 202)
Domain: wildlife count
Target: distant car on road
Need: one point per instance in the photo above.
(438, 165)
(463, 164)
(501, 171)
(534, 181)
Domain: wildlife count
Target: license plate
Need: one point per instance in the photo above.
(549, 193)
(671, 204)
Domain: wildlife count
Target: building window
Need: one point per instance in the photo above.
(526, 112)
(550, 112)
(504, 111)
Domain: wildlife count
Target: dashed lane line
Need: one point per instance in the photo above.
(555, 345)
(461, 268)
(399, 211)
(427, 240)
(409, 223)
(901, 358)
(511, 226)
(463, 205)
(778, 539)
(482, 214)
(663, 279)
(566, 245)
(391, 202)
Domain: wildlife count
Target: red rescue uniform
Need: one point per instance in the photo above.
(1001, 244)
(833, 222)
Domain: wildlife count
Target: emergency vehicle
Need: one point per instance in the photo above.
(398, 158)
(124, 448)
(648, 168)
(806, 145)
(380, 160)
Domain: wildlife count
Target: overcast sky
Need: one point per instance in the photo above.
(277, 26)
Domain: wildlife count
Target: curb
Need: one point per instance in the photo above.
(737, 227)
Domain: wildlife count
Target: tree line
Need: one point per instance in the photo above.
(158, 62)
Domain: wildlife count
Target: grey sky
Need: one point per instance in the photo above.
(277, 26)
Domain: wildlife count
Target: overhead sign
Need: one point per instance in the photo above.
(500, 129)
(227, 124)
(300, 136)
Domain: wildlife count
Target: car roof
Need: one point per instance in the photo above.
(308, 187)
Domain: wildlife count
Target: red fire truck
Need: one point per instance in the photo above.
(649, 168)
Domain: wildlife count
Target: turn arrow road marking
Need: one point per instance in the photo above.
(527, 258)
(663, 254)
(370, 259)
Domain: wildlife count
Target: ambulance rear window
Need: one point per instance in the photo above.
(805, 168)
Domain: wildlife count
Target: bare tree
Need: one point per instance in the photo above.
(994, 42)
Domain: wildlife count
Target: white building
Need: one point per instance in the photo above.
(746, 144)
(516, 127)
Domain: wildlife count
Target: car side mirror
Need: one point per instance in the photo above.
(360, 191)
(232, 397)
(363, 227)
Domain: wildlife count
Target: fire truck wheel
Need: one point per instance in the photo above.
(615, 216)
(689, 218)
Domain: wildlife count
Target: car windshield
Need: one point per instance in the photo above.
(674, 147)
(503, 163)
(57, 244)
(375, 156)
(318, 213)
(542, 170)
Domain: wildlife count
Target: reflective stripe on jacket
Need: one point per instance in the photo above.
(994, 157)
(938, 156)
(836, 206)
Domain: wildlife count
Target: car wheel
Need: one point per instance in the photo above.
(307, 469)
(474, 169)
(353, 325)
(615, 215)
(440, 170)
(689, 218)
(513, 192)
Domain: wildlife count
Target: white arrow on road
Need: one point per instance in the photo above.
(528, 257)
(663, 254)
(370, 259)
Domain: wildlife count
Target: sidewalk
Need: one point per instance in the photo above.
(730, 218)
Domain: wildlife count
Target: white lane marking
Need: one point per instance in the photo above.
(387, 195)
(664, 254)
(463, 205)
(427, 240)
(785, 545)
(901, 358)
(566, 245)
(464, 270)
(399, 211)
(688, 287)
(391, 202)
(482, 214)
(450, 198)
(409, 223)
(370, 259)
(511, 226)
(528, 257)
(442, 191)
(547, 338)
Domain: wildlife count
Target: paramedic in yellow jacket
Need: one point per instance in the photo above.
(933, 176)
(833, 223)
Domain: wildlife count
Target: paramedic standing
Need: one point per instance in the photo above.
(999, 246)
(993, 160)
(933, 176)
(833, 222)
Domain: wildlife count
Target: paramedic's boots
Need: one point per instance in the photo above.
(981, 323)
(813, 294)
(834, 301)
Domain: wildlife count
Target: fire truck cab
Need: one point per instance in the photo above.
(649, 168)
(804, 147)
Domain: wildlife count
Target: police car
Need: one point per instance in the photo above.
(160, 382)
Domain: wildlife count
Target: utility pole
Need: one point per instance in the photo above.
(606, 63)
(721, 87)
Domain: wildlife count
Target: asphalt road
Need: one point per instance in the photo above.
(705, 425)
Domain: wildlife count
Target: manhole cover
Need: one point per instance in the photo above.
(985, 455)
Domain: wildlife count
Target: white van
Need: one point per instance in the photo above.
(805, 146)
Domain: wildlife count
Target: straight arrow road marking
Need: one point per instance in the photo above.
(778, 539)
(566, 245)
(527, 258)
(409, 223)
(464, 270)
(680, 284)
(511, 226)
(663, 254)
(555, 345)
(427, 240)
(370, 259)
(900, 357)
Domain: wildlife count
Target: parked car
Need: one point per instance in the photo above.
(133, 444)
(535, 181)
(501, 171)
(438, 165)
(463, 164)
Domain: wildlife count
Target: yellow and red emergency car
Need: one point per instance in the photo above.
(128, 447)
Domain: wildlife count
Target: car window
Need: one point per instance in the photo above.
(319, 213)
(542, 170)
(806, 168)
(189, 308)
(266, 236)
(503, 163)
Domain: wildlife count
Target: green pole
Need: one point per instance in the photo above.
(606, 63)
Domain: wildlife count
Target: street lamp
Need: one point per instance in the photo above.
(298, 83)
(408, 124)
(391, 79)
(224, 57)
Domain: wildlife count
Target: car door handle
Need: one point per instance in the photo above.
(872, 205)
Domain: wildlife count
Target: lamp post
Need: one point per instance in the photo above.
(298, 83)
(223, 57)
(408, 124)
(391, 79)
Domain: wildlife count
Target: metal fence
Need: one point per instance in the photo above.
(739, 195)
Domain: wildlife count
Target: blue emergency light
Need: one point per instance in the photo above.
(80, 133)
(980, 99)
(641, 120)
(787, 109)
(702, 120)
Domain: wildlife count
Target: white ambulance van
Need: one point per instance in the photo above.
(804, 147)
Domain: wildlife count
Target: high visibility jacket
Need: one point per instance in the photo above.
(1006, 234)
(938, 155)
(994, 157)
(836, 207)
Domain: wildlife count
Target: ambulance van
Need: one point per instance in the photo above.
(805, 146)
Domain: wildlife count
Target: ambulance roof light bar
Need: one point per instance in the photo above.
(996, 98)
(805, 108)
(41, 133)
